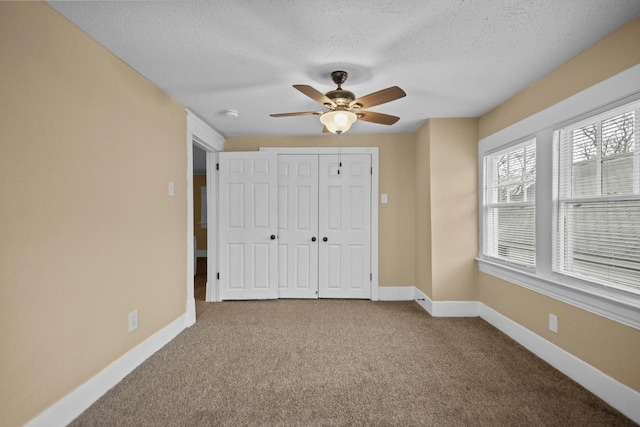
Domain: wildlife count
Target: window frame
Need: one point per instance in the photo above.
(487, 205)
(619, 304)
(561, 197)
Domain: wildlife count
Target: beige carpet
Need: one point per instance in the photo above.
(343, 363)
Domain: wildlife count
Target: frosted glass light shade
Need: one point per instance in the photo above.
(338, 121)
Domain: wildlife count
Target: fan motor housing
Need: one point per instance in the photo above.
(340, 96)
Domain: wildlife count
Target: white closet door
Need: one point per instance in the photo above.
(345, 226)
(248, 225)
(297, 226)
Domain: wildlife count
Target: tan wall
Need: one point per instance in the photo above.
(88, 231)
(423, 209)
(396, 218)
(610, 56)
(198, 231)
(607, 345)
(447, 209)
(454, 209)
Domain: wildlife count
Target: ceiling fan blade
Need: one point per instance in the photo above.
(300, 113)
(383, 119)
(380, 97)
(315, 95)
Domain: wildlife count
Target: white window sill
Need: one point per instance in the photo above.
(616, 304)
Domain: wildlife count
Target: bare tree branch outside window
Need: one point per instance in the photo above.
(617, 138)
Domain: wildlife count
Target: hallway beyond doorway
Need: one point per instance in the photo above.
(200, 279)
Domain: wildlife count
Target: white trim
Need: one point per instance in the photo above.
(210, 140)
(424, 301)
(212, 231)
(191, 301)
(396, 293)
(71, 406)
(455, 309)
(375, 179)
(202, 135)
(375, 164)
(616, 305)
(616, 394)
(617, 87)
(619, 304)
(446, 308)
(321, 150)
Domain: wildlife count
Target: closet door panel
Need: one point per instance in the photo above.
(345, 226)
(248, 215)
(298, 225)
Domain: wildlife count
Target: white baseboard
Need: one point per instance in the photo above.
(447, 308)
(396, 293)
(190, 315)
(616, 394)
(69, 407)
(424, 301)
(455, 308)
(201, 253)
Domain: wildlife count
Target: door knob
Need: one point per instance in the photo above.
(273, 237)
(324, 239)
(313, 239)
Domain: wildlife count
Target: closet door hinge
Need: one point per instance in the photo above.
(371, 170)
(217, 166)
(371, 277)
(218, 276)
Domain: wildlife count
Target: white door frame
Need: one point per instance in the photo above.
(373, 151)
(202, 135)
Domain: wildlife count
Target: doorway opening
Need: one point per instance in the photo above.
(200, 223)
(200, 136)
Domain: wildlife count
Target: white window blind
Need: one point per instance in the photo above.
(509, 204)
(597, 230)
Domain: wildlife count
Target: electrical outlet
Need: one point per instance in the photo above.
(171, 189)
(553, 323)
(133, 320)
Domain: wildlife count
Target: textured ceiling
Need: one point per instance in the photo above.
(454, 58)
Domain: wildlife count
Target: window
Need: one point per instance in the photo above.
(597, 230)
(509, 204)
(585, 248)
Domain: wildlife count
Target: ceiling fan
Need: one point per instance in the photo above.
(345, 108)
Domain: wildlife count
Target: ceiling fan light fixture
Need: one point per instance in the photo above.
(338, 121)
(342, 103)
